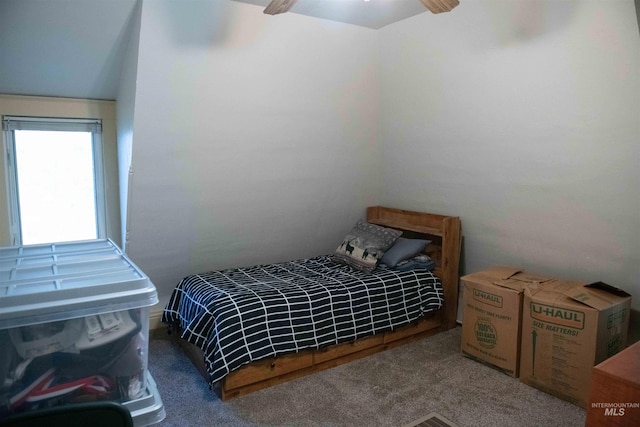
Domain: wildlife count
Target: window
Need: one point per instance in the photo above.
(55, 179)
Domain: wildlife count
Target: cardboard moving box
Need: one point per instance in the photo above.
(568, 328)
(492, 316)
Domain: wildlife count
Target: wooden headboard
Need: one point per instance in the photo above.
(445, 233)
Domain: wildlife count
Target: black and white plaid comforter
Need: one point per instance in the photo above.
(240, 315)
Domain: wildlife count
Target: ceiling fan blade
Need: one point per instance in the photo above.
(279, 6)
(439, 6)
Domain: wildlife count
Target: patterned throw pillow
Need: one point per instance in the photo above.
(365, 244)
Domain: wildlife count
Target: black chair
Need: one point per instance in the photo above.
(94, 414)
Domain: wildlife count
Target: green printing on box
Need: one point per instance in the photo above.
(558, 316)
(486, 334)
(488, 298)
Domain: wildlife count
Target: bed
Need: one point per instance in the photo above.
(250, 328)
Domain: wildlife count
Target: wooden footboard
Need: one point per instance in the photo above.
(445, 235)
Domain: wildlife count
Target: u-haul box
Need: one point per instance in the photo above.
(492, 316)
(567, 328)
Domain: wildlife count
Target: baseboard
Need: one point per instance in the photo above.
(155, 319)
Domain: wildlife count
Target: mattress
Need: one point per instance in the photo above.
(241, 315)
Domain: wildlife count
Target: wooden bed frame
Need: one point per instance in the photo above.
(445, 235)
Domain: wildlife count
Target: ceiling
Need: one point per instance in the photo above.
(63, 48)
(75, 48)
(373, 13)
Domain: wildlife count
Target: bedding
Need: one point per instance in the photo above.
(240, 315)
(421, 261)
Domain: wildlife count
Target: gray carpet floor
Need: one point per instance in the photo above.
(391, 388)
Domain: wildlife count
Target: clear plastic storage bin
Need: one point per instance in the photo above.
(74, 327)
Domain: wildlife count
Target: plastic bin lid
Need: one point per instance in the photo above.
(41, 283)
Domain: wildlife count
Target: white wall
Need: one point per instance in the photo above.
(255, 137)
(259, 138)
(523, 118)
(126, 101)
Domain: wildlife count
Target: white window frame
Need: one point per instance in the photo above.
(12, 123)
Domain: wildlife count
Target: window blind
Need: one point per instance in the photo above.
(11, 123)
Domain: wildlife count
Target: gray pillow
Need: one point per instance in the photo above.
(403, 249)
(365, 244)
